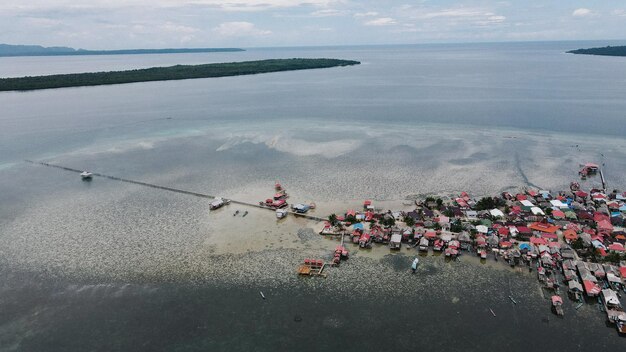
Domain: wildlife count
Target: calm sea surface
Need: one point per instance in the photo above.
(410, 120)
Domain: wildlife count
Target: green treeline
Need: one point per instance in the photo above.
(167, 73)
(606, 51)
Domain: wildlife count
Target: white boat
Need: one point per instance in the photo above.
(423, 246)
(281, 213)
(86, 175)
(414, 264)
(218, 203)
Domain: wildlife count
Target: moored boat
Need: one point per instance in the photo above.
(557, 305)
(423, 246)
(86, 175)
(614, 311)
(414, 264)
(281, 213)
(218, 203)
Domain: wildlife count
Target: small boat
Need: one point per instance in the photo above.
(281, 213)
(512, 300)
(557, 305)
(438, 246)
(86, 175)
(236, 212)
(244, 213)
(218, 203)
(414, 264)
(300, 208)
(423, 246)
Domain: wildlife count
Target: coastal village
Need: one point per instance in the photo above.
(574, 240)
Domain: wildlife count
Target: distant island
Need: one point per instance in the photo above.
(167, 73)
(605, 51)
(38, 50)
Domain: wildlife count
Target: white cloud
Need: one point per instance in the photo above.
(177, 28)
(406, 28)
(327, 13)
(619, 12)
(227, 5)
(491, 20)
(366, 14)
(461, 12)
(382, 21)
(239, 29)
(581, 12)
(42, 22)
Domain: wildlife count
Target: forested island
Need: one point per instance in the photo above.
(167, 73)
(605, 51)
(38, 50)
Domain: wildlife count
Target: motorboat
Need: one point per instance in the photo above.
(281, 213)
(414, 264)
(557, 305)
(86, 175)
(218, 203)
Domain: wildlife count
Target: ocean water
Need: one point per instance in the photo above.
(105, 265)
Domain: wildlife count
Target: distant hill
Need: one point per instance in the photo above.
(606, 51)
(38, 50)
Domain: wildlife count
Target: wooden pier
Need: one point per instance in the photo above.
(171, 189)
(603, 181)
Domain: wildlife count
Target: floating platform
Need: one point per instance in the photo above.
(312, 267)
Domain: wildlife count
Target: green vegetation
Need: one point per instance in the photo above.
(351, 219)
(332, 219)
(409, 221)
(613, 257)
(605, 51)
(485, 203)
(168, 73)
(387, 221)
(456, 226)
(38, 50)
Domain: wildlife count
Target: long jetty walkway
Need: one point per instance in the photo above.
(171, 189)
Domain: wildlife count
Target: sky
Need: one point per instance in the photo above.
(119, 24)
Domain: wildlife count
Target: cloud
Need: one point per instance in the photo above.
(406, 28)
(491, 20)
(619, 12)
(382, 21)
(42, 22)
(227, 5)
(177, 28)
(366, 14)
(240, 29)
(454, 13)
(327, 13)
(581, 12)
